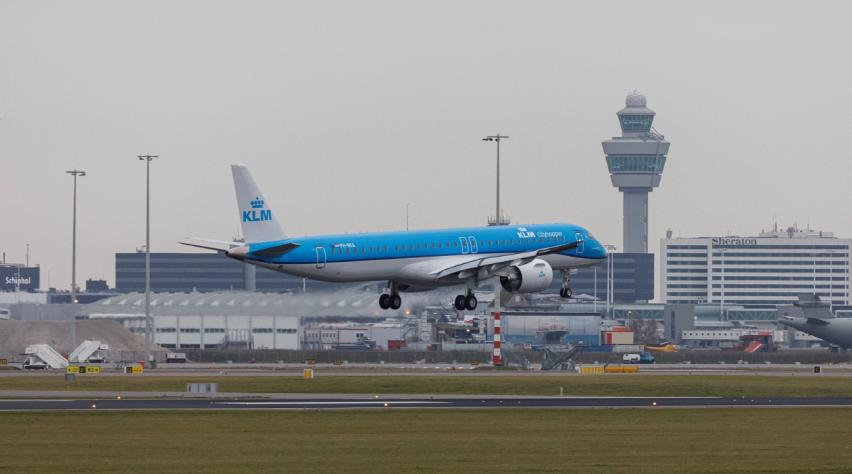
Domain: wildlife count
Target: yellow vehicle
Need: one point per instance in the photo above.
(662, 347)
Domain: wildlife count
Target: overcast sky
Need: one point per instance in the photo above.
(345, 111)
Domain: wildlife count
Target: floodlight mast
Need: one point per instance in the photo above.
(148, 323)
(498, 215)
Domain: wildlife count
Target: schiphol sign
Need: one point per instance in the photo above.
(14, 278)
(734, 241)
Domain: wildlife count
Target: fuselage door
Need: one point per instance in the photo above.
(579, 237)
(473, 247)
(320, 257)
(465, 248)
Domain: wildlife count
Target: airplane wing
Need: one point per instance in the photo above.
(492, 265)
(818, 321)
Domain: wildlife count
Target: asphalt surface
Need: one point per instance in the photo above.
(113, 404)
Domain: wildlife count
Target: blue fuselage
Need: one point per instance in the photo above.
(412, 256)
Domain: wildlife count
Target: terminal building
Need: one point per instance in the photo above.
(632, 279)
(202, 272)
(765, 271)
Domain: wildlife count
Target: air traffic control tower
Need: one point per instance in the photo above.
(635, 161)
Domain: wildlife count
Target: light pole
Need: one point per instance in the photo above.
(722, 285)
(75, 173)
(148, 323)
(610, 281)
(406, 214)
(498, 218)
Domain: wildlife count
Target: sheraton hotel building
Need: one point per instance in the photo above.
(771, 269)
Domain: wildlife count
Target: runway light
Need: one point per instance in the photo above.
(654, 404)
(94, 406)
(118, 397)
(386, 405)
(376, 396)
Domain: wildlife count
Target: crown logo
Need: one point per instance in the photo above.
(257, 203)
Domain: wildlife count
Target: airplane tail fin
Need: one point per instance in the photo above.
(257, 219)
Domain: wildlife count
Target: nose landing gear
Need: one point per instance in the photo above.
(565, 291)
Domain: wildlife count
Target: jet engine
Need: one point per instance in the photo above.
(529, 278)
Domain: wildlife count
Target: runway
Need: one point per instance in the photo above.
(116, 404)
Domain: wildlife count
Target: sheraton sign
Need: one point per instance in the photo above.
(734, 241)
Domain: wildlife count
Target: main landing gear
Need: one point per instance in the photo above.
(387, 301)
(566, 292)
(390, 300)
(465, 302)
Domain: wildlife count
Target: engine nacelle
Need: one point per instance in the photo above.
(530, 278)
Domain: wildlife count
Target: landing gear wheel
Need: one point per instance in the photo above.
(395, 302)
(384, 301)
(566, 292)
(459, 303)
(470, 302)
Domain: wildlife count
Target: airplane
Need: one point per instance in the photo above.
(818, 321)
(522, 258)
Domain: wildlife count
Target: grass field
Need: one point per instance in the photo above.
(635, 441)
(603, 385)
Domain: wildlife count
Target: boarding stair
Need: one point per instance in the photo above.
(559, 357)
(45, 354)
(89, 351)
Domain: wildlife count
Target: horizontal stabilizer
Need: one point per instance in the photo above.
(210, 244)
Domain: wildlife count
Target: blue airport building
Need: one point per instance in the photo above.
(203, 272)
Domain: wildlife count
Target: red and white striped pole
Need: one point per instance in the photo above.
(497, 357)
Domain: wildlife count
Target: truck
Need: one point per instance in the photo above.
(175, 358)
(641, 358)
